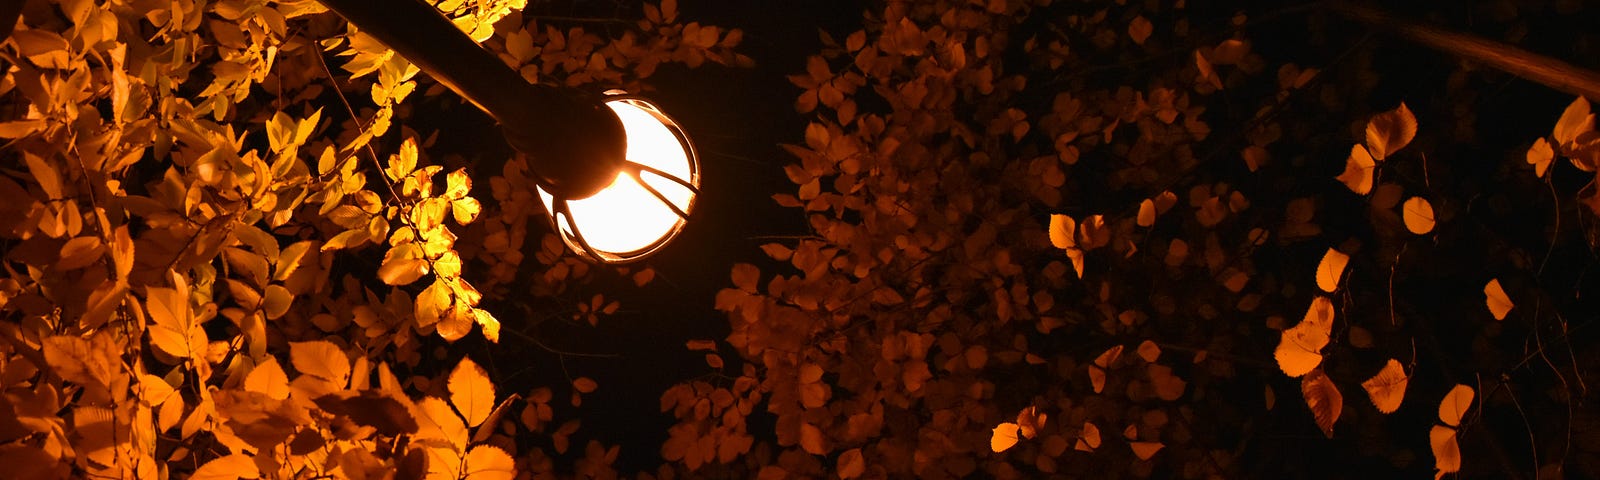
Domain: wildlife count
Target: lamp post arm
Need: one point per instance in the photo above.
(572, 141)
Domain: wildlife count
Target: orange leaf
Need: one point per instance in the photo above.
(1145, 450)
(488, 462)
(1390, 131)
(1140, 29)
(1418, 215)
(1331, 269)
(1539, 155)
(1097, 371)
(585, 385)
(230, 467)
(851, 463)
(811, 439)
(1495, 297)
(1088, 439)
(1063, 231)
(1388, 388)
(268, 379)
(1446, 453)
(1300, 349)
(1003, 437)
(1455, 405)
(1147, 213)
(321, 359)
(1358, 170)
(471, 391)
(1324, 399)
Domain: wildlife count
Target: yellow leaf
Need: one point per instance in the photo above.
(585, 385)
(174, 332)
(1388, 388)
(1088, 439)
(1300, 348)
(436, 420)
(1495, 297)
(471, 391)
(402, 265)
(1446, 453)
(489, 324)
(1358, 170)
(1063, 233)
(851, 463)
(1140, 29)
(1390, 131)
(1003, 437)
(1145, 450)
(488, 462)
(1149, 351)
(1076, 256)
(321, 359)
(1331, 269)
(1097, 371)
(1418, 215)
(465, 210)
(432, 302)
(1147, 213)
(1455, 405)
(231, 467)
(268, 379)
(1324, 399)
(1539, 155)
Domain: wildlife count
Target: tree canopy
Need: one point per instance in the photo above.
(1032, 238)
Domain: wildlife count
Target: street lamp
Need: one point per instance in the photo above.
(617, 176)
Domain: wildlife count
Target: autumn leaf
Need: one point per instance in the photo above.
(1495, 297)
(1358, 170)
(1149, 351)
(1003, 437)
(851, 464)
(1539, 155)
(1446, 453)
(1300, 348)
(1140, 29)
(1088, 438)
(268, 379)
(1388, 388)
(175, 332)
(1330, 269)
(1145, 450)
(488, 462)
(811, 439)
(471, 392)
(584, 385)
(1418, 215)
(1324, 399)
(230, 467)
(1455, 405)
(321, 359)
(1063, 231)
(1029, 421)
(1097, 370)
(1147, 213)
(1390, 131)
(1574, 121)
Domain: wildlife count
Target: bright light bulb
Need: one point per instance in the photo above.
(626, 221)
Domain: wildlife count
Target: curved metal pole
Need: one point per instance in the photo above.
(574, 143)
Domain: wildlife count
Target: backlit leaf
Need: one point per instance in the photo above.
(1147, 213)
(321, 359)
(1145, 450)
(1097, 371)
(1446, 453)
(1149, 351)
(1455, 405)
(1063, 232)
(1358, 170)
(471, 392)
(1388, 388)
(230, 467)
(1495, 297)
(1003, 437)
(1300, 348)
(268, 379)
(1331, 269)
(1088, 438)
(1539, 155)
(488, 462)
(585, 385)
(1324, 399)
(1418, 215)
(1390, 131)
(1575, 120)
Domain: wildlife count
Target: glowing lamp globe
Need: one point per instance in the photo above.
(648, 201)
